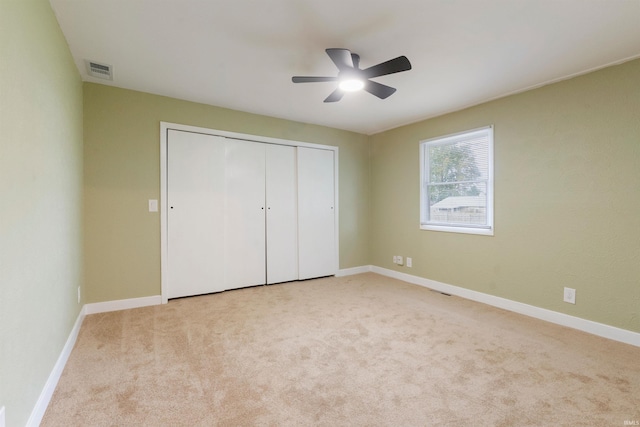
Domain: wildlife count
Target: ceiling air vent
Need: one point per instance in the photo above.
(101, 71)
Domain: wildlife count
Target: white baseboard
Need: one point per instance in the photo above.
(353, 270)
(595, 328)
(122, 304)
(45, 396)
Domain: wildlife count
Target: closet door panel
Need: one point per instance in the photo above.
(282, 236)
(195, 218)
(316, 213)
(244, 217)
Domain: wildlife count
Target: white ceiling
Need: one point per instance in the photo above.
(241, 54)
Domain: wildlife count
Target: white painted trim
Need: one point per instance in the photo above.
(460, 229)
(354, 270)
(49, 387)
(2, 420)
(164, 247)
(122, 304)
(166, 126)
(595, 328)
(336, 204)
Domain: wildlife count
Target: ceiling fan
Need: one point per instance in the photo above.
(351, 78)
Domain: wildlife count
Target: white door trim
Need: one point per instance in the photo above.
(165, 127)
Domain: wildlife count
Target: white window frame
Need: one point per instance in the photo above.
(425, 224)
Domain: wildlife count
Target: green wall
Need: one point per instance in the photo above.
(122, 171)
(41, 203)
(567, 199)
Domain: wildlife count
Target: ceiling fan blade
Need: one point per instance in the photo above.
(379, 90)
(335, 96)
(309, 79)
(395, 65)
(341, 57)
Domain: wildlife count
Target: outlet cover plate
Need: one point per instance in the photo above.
(570, 295)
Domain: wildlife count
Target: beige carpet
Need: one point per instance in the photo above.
(362, 350)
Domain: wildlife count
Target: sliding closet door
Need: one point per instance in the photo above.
(316, 213)
(244, 215)
(195, 217)
(282, 230)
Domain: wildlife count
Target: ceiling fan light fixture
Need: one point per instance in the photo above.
(351, 78)
(351, 85)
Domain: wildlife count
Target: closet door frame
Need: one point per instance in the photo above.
(164, 140)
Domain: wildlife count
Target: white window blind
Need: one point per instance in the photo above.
(457, 182)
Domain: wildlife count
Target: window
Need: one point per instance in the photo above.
(456, 182)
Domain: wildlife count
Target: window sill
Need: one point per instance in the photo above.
(464, 230)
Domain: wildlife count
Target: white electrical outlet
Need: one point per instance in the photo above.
(409, 262)
(570, 295)
(153, 205)
(397, 259)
